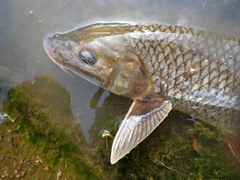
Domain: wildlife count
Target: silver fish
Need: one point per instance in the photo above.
(160, 67)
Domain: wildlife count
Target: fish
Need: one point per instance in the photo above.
(160, 67)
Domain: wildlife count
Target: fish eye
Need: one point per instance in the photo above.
(87, 57)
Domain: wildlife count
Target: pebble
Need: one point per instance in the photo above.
(3, 116)
(18, 127)
(28, 162)
(21, 161)
(5, 173)
(46, 168)
(59, 174)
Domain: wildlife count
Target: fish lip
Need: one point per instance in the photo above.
(46, 41)
(49, 50)
(46, 46)
(49, 47)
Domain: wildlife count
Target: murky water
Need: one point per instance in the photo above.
(24, 23)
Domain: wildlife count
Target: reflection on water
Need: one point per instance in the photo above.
(23, 25)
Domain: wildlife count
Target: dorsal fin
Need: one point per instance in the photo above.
(142, 118)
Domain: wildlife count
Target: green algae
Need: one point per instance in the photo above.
(44, 140)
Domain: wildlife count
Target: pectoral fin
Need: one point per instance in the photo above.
(234, 145)
(142, 118)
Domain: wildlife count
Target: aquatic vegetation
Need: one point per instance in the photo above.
(40, 135)
(106, 134)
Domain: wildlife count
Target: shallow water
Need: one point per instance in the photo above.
(24, 24)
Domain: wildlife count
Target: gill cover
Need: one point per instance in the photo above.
(131, 79)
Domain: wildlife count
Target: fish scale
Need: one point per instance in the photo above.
(205, 68)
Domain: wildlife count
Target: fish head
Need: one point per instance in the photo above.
(78, 58)
(101, 58)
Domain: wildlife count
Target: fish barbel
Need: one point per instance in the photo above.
(160, 67)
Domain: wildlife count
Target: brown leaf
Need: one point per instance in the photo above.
(46, 168)
(23, 173)
(195, 145)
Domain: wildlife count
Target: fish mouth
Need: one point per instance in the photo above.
(50, 49)
(53, 55)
